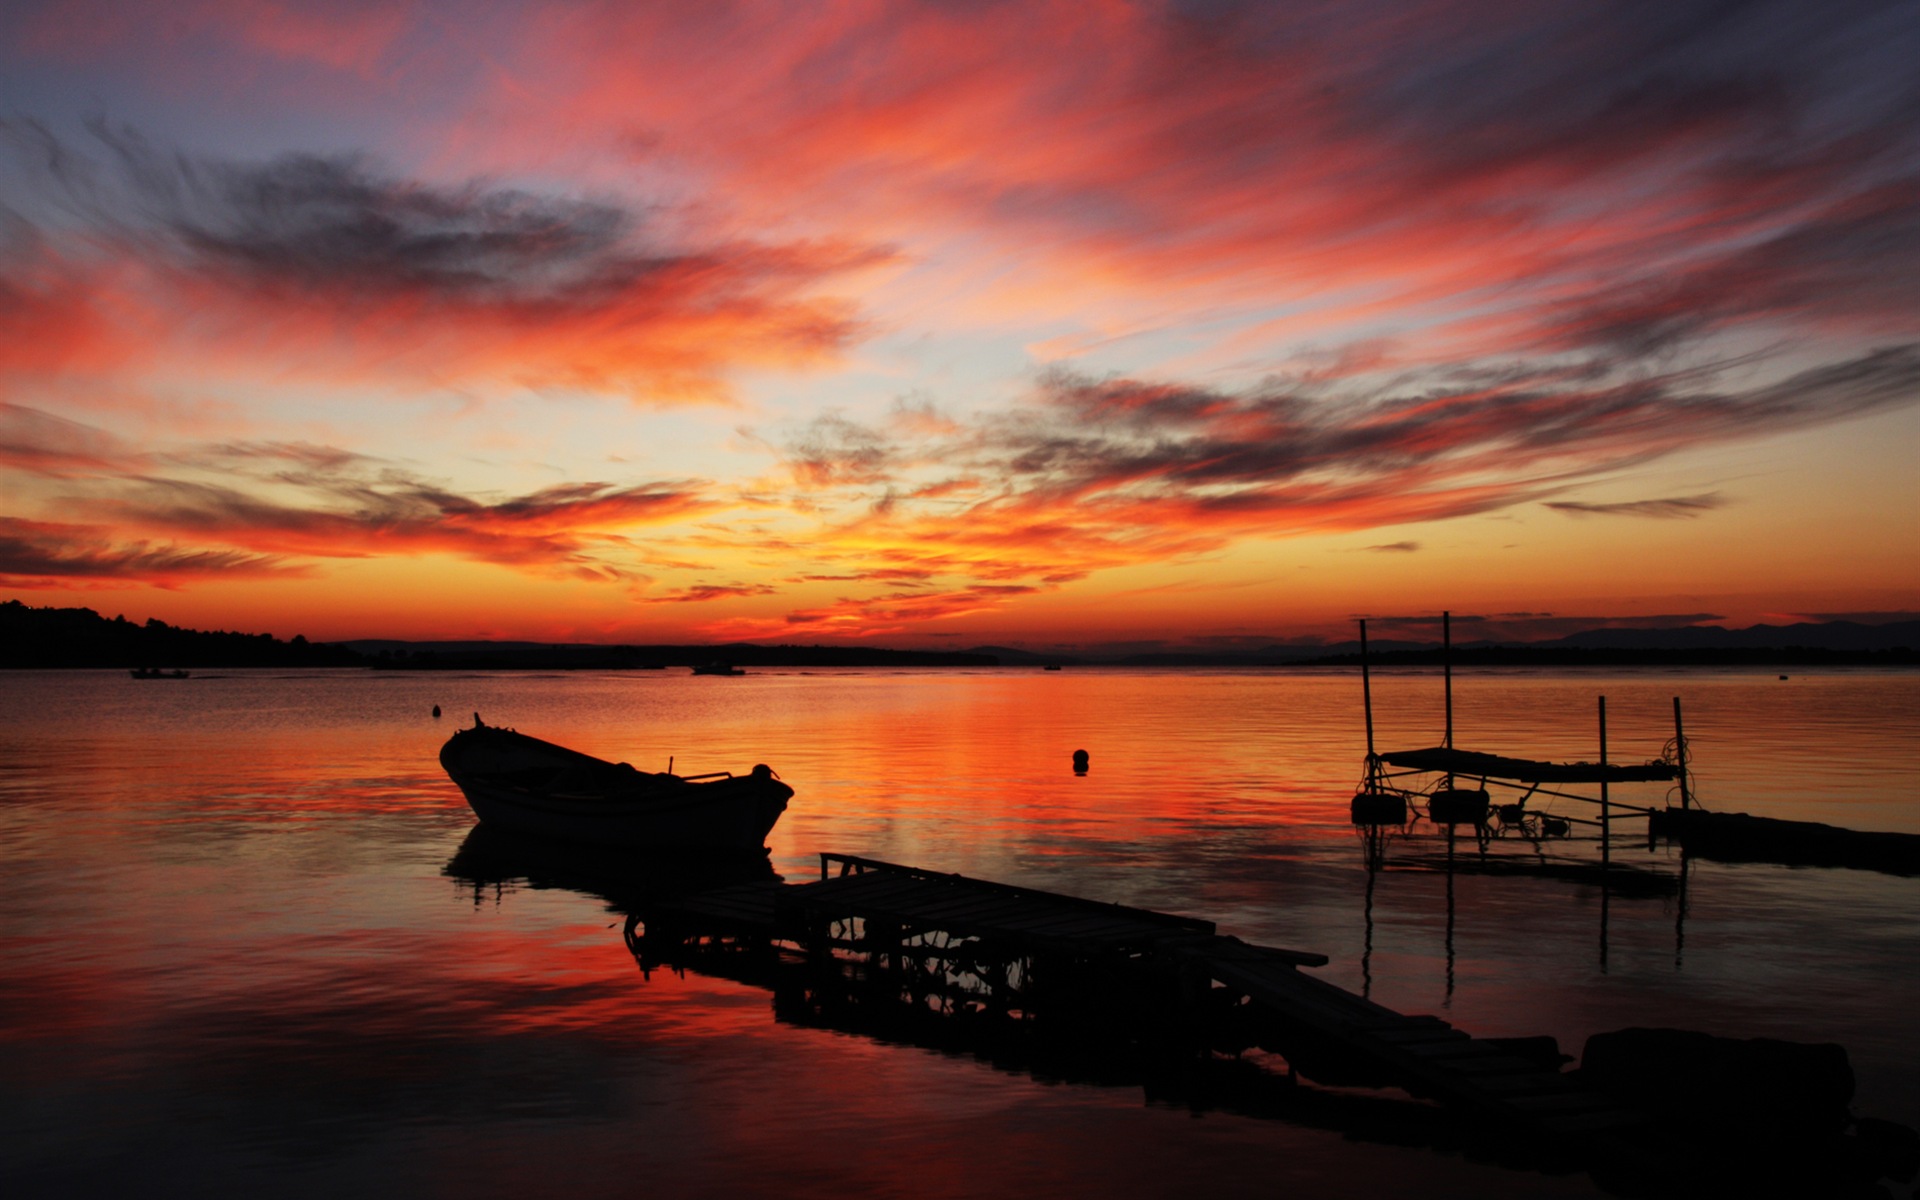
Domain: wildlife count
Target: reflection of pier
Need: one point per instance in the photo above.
(1077, 990)
(905, 945)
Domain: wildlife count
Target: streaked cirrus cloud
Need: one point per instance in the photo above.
(348, 271)
(280, 506)
(47, 553)
(1665, 508)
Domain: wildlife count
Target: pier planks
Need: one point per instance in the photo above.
(1423, 1055)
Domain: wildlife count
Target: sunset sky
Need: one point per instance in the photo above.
(946, 324)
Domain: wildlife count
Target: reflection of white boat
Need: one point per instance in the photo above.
(524, 785)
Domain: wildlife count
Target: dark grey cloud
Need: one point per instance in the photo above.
(1395, 548)
(1866, 616)
(1665, 508)
(341, 222)
(1856, 260)
(1104, 434)
(701, 593)
(593, 292)
(832, 449)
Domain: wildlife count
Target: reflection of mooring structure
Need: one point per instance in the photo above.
(1450, 787)
(914, 947)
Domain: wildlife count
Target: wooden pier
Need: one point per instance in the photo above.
(977, 950)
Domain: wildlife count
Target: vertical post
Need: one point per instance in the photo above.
(1446, 663)
(1606, 813)
(1606, 839)
(1680, 755)
(1366, 695)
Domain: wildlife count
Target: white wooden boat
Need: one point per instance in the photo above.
(521, 784)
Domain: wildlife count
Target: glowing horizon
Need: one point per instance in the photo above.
(1038, 325)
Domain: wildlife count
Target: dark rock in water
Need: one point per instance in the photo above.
(1542, 1051)
(1887, 1150)
(1755, 1117)
(1759, 1087)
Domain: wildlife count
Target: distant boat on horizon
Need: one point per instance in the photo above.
(156, 673)
(718, 668)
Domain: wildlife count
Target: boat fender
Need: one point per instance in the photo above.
(763, 771)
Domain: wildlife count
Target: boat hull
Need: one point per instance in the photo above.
(522, 785)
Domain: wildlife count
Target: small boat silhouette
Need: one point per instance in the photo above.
(524, 785)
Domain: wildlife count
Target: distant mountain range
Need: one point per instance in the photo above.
(80, 637)
(1830, 641)
(1806, 642)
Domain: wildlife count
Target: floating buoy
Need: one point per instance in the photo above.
(436, 711)
(1079, 762)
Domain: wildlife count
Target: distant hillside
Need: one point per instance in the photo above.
(80, 637)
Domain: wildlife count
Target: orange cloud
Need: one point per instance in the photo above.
(1095, 475)
(278, 502)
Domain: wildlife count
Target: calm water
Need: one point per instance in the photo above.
(235, 959)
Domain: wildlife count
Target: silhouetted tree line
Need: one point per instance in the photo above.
(80, 637)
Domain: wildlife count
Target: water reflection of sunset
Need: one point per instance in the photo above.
(239, 927)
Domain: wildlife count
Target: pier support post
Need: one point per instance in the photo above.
(1366, 701)
(1606, 811)
(1680, 756)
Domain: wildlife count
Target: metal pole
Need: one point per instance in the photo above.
(1606, 814)
(1446, 660)
(1680, 755)
(1366, 693)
